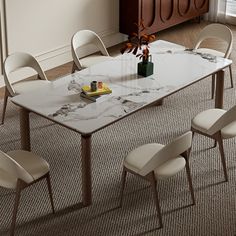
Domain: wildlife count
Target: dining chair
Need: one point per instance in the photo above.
(217, 124)
(83, 38)
(20, 169)
(155, 161)
(17, 61)
(223, 33)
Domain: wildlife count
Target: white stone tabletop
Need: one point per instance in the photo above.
(174, 68)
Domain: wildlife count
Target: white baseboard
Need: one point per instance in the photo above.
(62, 55)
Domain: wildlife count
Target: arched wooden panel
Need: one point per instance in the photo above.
(199, 3)
(148, 12)
(183, 6)
(158, 14)
(166, 9)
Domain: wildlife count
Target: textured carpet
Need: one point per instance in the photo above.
(213, 214)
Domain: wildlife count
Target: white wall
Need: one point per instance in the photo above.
(44, 27)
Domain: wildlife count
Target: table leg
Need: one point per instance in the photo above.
(25, 129)
(159, 102)
(219, 99)
(86, 170)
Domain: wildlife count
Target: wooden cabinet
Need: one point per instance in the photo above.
(158, 14)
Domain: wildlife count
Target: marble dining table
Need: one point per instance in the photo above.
(175, 67)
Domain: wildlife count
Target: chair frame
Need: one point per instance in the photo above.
(6, 95)
(152, 179)
(218, 139)
(214, 132)
(204, 36)
(22, 185)
(99, 44)
(8, 89)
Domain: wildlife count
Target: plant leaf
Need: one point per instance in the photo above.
(135, 50)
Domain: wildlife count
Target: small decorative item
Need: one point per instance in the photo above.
(138, 44)
(93, 86)
(145, 68)
(100, 84)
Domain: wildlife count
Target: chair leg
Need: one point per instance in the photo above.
(190, 149)
(193, 133)
(50, 191)
(6, 95)
(123, 179)
(213, 83)
(156, 199)
(222, 155)
(16, 204)
(231, 76)
(215, 143)
(74, 68)
(190, 181)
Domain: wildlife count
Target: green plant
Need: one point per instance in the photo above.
(139, 42)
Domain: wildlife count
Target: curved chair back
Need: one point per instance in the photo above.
(218, 31)
(19, 60)
(169, 151)
(227, 118)
(10, 166)
(86, 37)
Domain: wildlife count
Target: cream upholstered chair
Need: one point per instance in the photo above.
(155, 161)
(87, 37)
(217, 124)
(20, 169)
(14, 62)
(217, 31)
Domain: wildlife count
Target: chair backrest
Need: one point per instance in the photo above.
(228, 117)
(169, 151)
(10, 166)
(218, 31)
(19, 60)
(86, 37)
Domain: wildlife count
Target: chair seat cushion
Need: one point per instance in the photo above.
(229, 131)
(140, 156)
(29, 85)
(205, 119)
(93, 59)
(170, 168)
(210, 51)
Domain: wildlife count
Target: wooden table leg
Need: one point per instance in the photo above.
(159, 102)
(25, 129)
(86, 170)
(219, 99)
